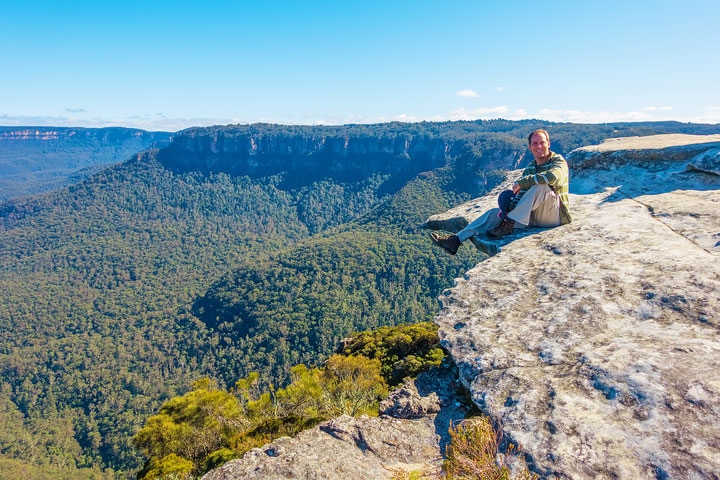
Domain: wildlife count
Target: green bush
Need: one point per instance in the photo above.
(193, 425)
(217, 458)
(353, 385)
(171, 467)
(404, 350)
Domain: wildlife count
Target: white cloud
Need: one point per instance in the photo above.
(579, 116)
(478, 113)
(711, 115)
(467, 93)
(75, 110)
(406, 118)
(160, 121)
(146, 122)
(500, 89)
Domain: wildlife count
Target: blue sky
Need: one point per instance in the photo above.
(170, 65)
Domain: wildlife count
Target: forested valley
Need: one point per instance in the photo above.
(199, 260)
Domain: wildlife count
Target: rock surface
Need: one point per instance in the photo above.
(363, 448)
(406, 402)
(596, 344)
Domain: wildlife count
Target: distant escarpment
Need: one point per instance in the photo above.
(34, 160)
(349, 151)
(342, 152)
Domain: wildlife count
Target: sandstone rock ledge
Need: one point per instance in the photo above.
(409, 436)
(596, 344)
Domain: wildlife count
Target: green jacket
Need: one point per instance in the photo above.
(553, 173)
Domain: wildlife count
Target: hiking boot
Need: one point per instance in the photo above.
(449, 243)
(505, 228)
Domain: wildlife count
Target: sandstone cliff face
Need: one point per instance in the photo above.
(258, 154)
(319, 152)
(596, 343)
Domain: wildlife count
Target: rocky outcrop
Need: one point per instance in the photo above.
(459, 217)
(345, 447)
(708, 162)
(408, 436)
(596, 344)
(406, 402)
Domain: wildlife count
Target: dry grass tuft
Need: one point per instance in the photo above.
(473, 453)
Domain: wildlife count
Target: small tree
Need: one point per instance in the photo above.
(303, 397)
(191, 426)
(353, 385)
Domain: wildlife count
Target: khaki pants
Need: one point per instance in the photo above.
(538, 207)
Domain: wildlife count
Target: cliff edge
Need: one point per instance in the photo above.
(409, 435)
(595, 344)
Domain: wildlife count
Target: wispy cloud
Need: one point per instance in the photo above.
(160, 121)
(478, 113)
(75, 110)
(146, 122)
(466, 93)
(711, 115)
(33, 120)
(500, 89)
(579, 116)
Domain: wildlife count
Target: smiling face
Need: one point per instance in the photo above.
(540, 147)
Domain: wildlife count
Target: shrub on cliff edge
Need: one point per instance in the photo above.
(473, 453)
(206, 427)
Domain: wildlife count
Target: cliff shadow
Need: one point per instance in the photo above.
(455, 403)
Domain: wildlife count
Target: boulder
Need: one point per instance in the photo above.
(708, 162)
(596, 344)
(406, 402)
